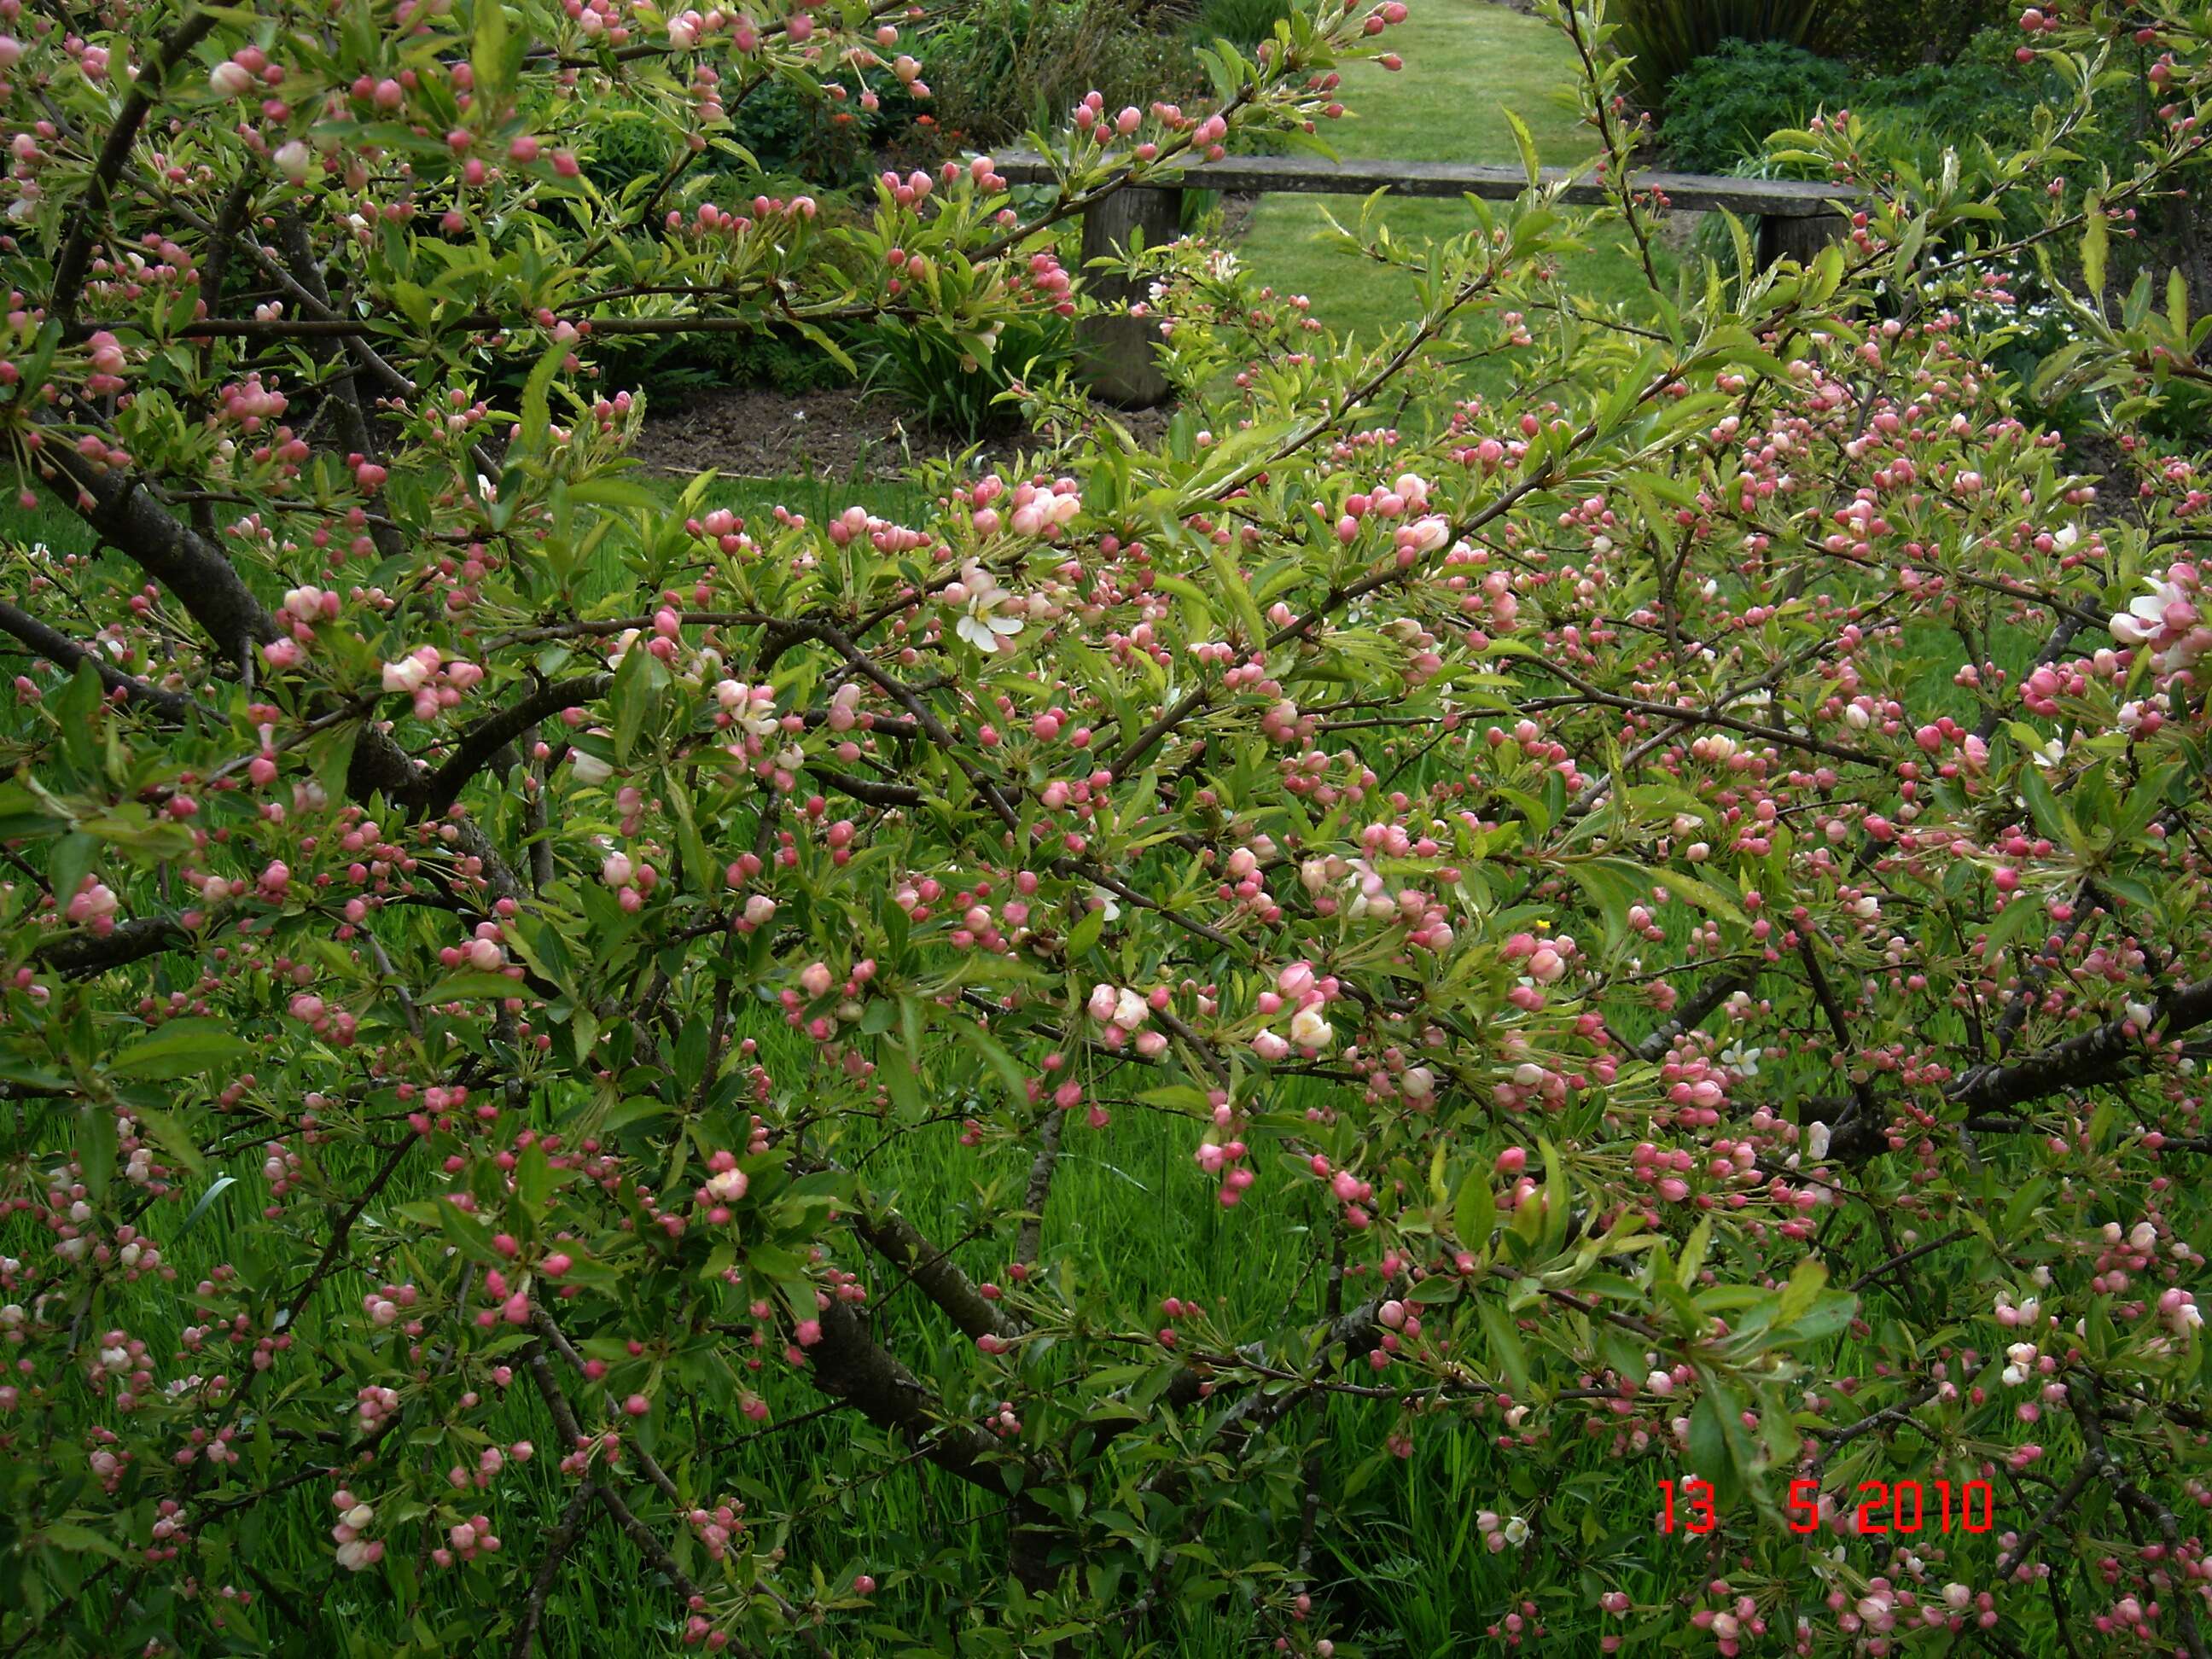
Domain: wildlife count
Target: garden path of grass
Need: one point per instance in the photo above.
(1467, 62)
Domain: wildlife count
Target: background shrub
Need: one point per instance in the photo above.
(1898, 33)
(951, 388)
(1245, 21)
(1008, 65)
(1720, 110)
(1663, 38)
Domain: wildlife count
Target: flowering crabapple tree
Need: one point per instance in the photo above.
(1679, 886)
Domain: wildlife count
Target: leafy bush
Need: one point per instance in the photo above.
(1005, 66)
(1281, 1037)
(952, 386)
(1246, 22)
(1661, 39)
(1897, 34)
(1721, 109)
(1720, 114)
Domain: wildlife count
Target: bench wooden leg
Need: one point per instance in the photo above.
(1118, 361)
(1800, 239)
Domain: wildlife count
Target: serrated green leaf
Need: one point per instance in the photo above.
(183, 1048)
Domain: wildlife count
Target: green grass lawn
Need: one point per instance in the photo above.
(1467, 62)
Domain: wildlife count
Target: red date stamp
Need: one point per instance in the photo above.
(1883, 1507)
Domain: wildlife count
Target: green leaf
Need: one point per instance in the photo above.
(705, 878)
(216, 1188)
(537, 417)
(1085, 933)
(1807, 1281)
(636, 689)
(95, 1152)
(70, 863)
(1010, 1073)
(896, 1067)
(1693, 1254)
(1504, 1344)
(488, 52)
(1474, 1210)
(78, 1540)
(1527, 142)
(1238, 592)
(1712, 1452)
(76, 711)
(183, 1048)
(472, 985)
(172, 1137)
(616, 492)
(2095, 240)
(533, 1177)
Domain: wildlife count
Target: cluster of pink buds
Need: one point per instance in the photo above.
(466, 1541)
(434, 684)
(1223, 1151)
(108, 364)
(725, 1185)
(303, 609)
(632, 880)
(356, 1553)
(1123, 1015)
(2178, 1309)
(717, 1526)
(1348, 1189)
(699, 1631)
(1091, 113)
(1043, 511)
(1049, 280)
(92, 906)
(243, 71)
(373, 1404)
(485, 952)
(1306, 993)
(385, 1306)
(332, 1024)
(439, 1102)
(2028, 1312)
(510, 1302)
(1500, 1534)
(281, 1168)
(1731, 1624)
(856, 523)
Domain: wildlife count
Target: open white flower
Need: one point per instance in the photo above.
(407, 675)
(982, 624)
(1742, 1059)
(1308, 1030)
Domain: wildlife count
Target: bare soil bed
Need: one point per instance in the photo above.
(757, 432)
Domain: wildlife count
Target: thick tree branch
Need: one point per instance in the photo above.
(2106, 1054)
(495, 732)
(63, 652)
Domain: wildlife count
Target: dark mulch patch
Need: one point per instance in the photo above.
(756, 432)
